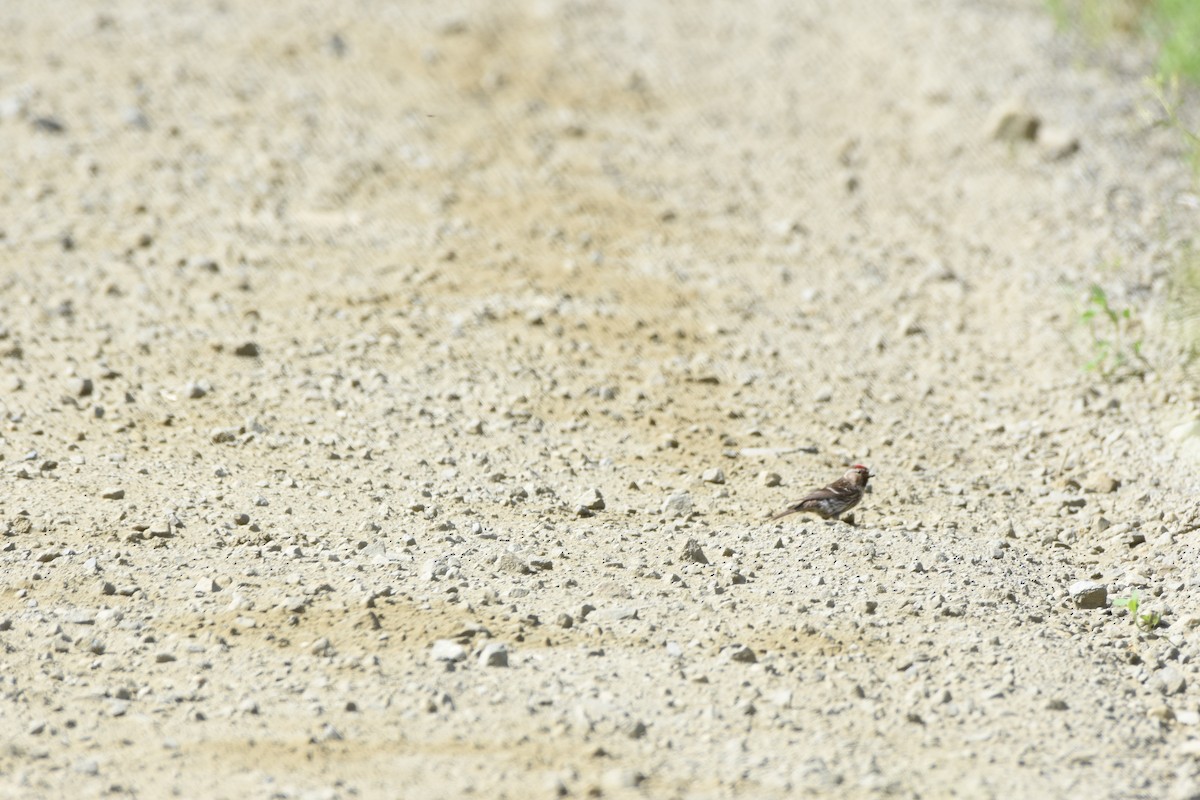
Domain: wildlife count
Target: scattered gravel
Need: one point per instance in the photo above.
(395, 399)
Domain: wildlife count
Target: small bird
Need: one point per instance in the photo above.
(835, 499)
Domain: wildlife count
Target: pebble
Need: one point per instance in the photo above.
(693, 552)
(1101, 483)
(1161, 712)
(634, 728)
(1057, 144)
(1012, 121)
(80, 387)
(494, 654)
(222, 436)
(508, 562)
(677, 505)
(448, 650)
(207, 586)
(1168, 681)
(715, 475)
(770, 478)
(1088, 594)
(48, 125)
(194, 390)
(201, 263)
(615, 613)
(113, 493)
(739, 653)
(80, 616)
(591, 500)
(247, 350)
(444, 568)
(620, 778)
(328, 733)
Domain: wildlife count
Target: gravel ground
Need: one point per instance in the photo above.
(394, 397)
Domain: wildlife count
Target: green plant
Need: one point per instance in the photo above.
(1100, 19)
(1116, 337)
(1177, 27)
(1147, 620)
(1164, 87)
(1183, 305)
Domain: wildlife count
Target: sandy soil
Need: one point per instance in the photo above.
(367, 369)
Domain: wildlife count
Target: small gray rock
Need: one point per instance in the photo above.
(634, 728)
(494, 654)
(113, 493)
(615, 613)
(591, 500)
(295, 605)
(80, 616)
(739, 653)
(80, 387)
(1101, 483)
(448, 650)
(223, 436)
(693, 552)
(1088, 594)
(714, 475)
(508, 562)
(618, 778)
(194, 390)
(1057, 143)
(1013, 122)
(1168, 680)
(677, 505)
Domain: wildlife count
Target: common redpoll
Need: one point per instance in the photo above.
(835, 499)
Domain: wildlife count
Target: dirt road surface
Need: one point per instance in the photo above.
(394, 396)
